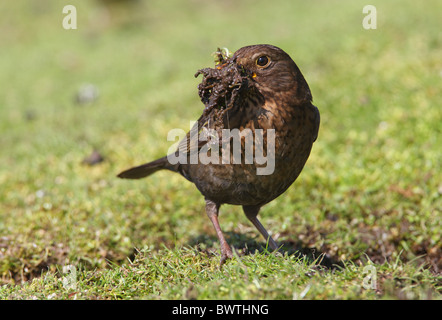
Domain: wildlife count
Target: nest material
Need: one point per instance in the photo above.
(221, 88)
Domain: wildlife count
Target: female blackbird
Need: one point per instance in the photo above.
(258, 95)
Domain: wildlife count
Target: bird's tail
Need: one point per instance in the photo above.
(146, 169)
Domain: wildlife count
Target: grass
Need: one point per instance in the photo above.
(186, 273)
(370, 194)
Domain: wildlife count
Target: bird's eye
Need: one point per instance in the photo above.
(263, 61)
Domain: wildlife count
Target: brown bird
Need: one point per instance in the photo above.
(253, 138)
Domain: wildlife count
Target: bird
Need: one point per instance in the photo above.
(258, 92)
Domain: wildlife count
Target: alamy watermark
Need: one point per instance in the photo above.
(370, 20)
(70, 18)
(370, 277)
(368, 23)
(69, 280)
(224, 148)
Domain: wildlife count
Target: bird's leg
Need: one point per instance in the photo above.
(212, 210)
(251, 213)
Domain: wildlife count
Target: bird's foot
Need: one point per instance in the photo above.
(226, 253)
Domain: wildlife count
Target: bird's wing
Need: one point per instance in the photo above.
(198, 136)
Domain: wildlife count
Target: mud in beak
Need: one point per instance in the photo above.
(221, 66)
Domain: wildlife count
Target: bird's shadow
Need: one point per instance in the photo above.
(245, 245)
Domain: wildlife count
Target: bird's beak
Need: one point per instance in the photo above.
(220, 66)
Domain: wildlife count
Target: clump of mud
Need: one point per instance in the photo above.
(222, 88)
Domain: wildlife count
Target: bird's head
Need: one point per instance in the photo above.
(272, 71)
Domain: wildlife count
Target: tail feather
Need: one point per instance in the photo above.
(146, 169)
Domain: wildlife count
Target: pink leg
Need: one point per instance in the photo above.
(251, 213)
(212, 210)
